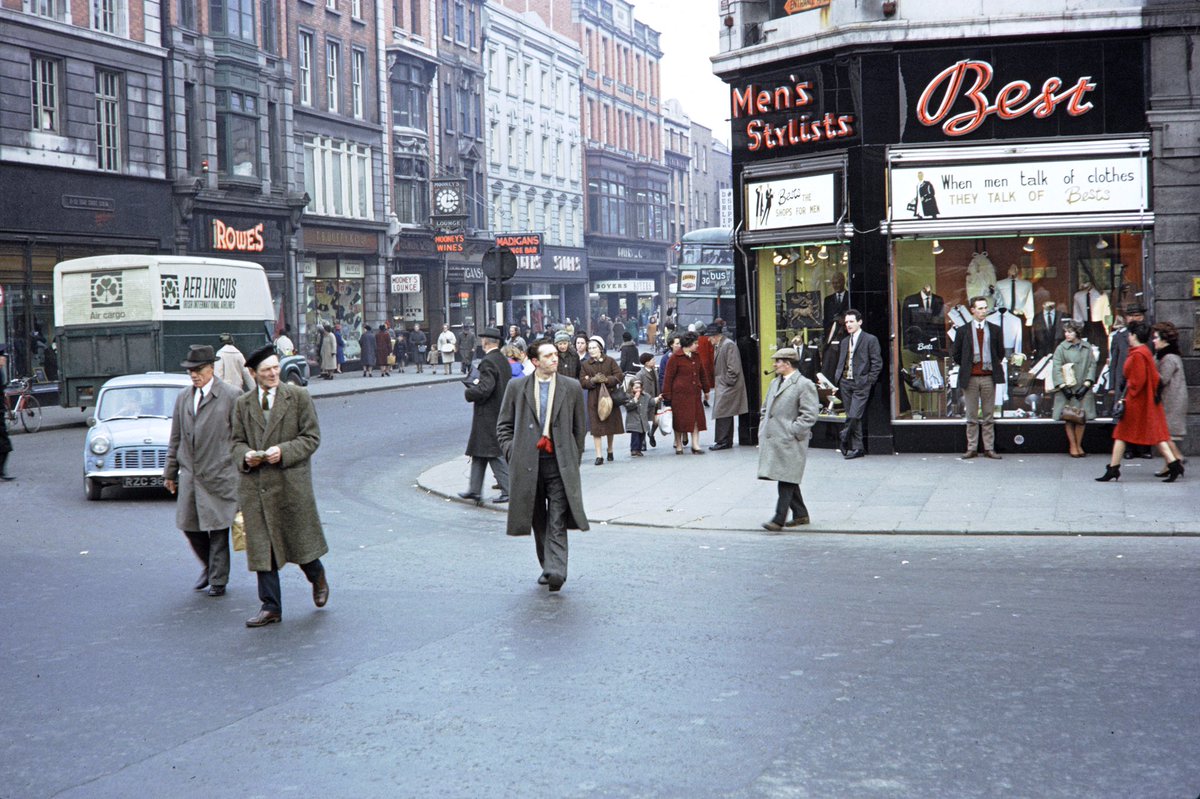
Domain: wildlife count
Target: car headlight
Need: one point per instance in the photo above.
(100, 444)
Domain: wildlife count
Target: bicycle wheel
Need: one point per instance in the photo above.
(31, 414)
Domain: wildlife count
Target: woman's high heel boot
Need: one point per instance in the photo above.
(1110, 473)
(1174, 471)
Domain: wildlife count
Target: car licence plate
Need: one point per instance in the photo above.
(142, 482)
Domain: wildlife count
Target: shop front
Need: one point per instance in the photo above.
(415, 278)
(51, 215)
(1016, 173)
(341, 273)
(629, 281)
(550, 284)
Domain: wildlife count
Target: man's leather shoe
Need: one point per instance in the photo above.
(202, 583)
(543, 580)
(968, 455)
(772, 526)
(991, 454)
(467, 495)
(320, 591)
(7, 478)
(716, 447)
(854, 453)
(264, 618)
(796, 522)
(217, 590)
(500, 500)
(554, 582)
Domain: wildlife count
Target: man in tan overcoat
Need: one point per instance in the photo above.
(788, 415)
(200, 468)
(275, 433)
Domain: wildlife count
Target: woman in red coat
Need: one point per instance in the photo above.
(1144, 421)
(683, 384)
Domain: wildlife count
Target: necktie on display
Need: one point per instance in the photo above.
(926, 303)
(1012, 290)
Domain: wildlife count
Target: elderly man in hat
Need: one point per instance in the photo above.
(729, 383)
(200, 467)
(788, 415)
(486, 393)
(231, 365)
(275, 433)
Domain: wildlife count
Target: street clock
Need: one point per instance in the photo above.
(449, 198)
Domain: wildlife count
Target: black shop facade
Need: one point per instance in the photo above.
(903, 183)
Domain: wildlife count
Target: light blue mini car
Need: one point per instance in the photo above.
(127, 441)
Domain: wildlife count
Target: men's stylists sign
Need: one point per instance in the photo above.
(792, 112)
(791, 202)
(1101, 184)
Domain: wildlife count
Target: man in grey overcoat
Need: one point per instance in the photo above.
(486, 393)
(200, 468)
(730, 384)
(275, 433)
(541, 432)
(788, 415)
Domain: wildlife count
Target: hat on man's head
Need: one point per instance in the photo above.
(492, 333)
(1135, 308)
(786, 354)
(714, 330)
(562, 335)
(198, 355)
(259, 355)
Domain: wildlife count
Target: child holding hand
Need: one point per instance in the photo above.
(639, 418)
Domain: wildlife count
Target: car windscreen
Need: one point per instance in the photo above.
(135, 402)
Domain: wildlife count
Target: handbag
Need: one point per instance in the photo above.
(1073, 414)
(618, 394)
(604, 404)
(239, 532)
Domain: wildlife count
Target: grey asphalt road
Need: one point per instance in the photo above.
(673, 664)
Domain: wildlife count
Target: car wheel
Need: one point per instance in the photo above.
(295, 379)
(93, 488)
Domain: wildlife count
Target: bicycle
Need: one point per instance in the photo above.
(25, 406)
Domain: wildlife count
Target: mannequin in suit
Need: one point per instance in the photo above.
(922, 321)
(858, 366)
(1048, 330)
(1093, 310)
(1016, 294)
(836, 303)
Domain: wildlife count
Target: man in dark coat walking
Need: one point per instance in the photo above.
(201, 469)
(541, 433)
(275, 433)
(486, 393)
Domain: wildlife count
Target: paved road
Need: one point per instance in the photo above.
(673, 664)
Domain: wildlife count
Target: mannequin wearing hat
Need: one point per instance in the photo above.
(275, 434)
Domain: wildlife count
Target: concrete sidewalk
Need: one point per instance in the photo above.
(905, 494)
(55, 417)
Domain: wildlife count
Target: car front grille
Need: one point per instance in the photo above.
(143, 458)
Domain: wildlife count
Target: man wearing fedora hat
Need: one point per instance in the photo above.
(485, 394)
(729, 386)
(275, 433)
(788, 415)
(200, 468)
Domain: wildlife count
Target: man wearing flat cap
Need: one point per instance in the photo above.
(729, 386)
(788, 414)
(275, 433)
(200, 467)
(485, 394)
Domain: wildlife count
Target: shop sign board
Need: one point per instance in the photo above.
(791, 202)
(521, 243)
(449, 242)
(406, 284)
(792, 112)
(624, 286)
(796, 6)
(353, 269)
(964, 190)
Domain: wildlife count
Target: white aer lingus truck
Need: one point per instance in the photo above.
(123, 314)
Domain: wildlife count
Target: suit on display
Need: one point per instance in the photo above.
(835, 306)
(1048, 332)
(923, 323)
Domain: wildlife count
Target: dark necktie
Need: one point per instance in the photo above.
(266, 405)
(926, 303)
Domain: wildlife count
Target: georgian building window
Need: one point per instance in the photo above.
(410, 98)
(333, 63)
(305, 58)
(358, 60)
(51, 9)
(606, 203)
(108, 121)
(237, 134)
(411, 181)
(108, 16)
(45, 89)
(233, 18)
(270, 27)
(337, 177)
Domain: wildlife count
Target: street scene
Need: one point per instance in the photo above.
(599, 398)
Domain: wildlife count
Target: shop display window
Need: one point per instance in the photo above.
(1032, 284)
(331, 301)
(811, 295)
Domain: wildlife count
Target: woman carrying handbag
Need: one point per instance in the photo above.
(1074, 372)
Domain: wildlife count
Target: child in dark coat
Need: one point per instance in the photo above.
(639, 418)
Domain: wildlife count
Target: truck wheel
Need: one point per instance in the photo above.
(295, 379)
(93, 488)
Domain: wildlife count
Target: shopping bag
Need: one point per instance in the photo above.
(665, 419)
(604, 405)
(239, 532)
